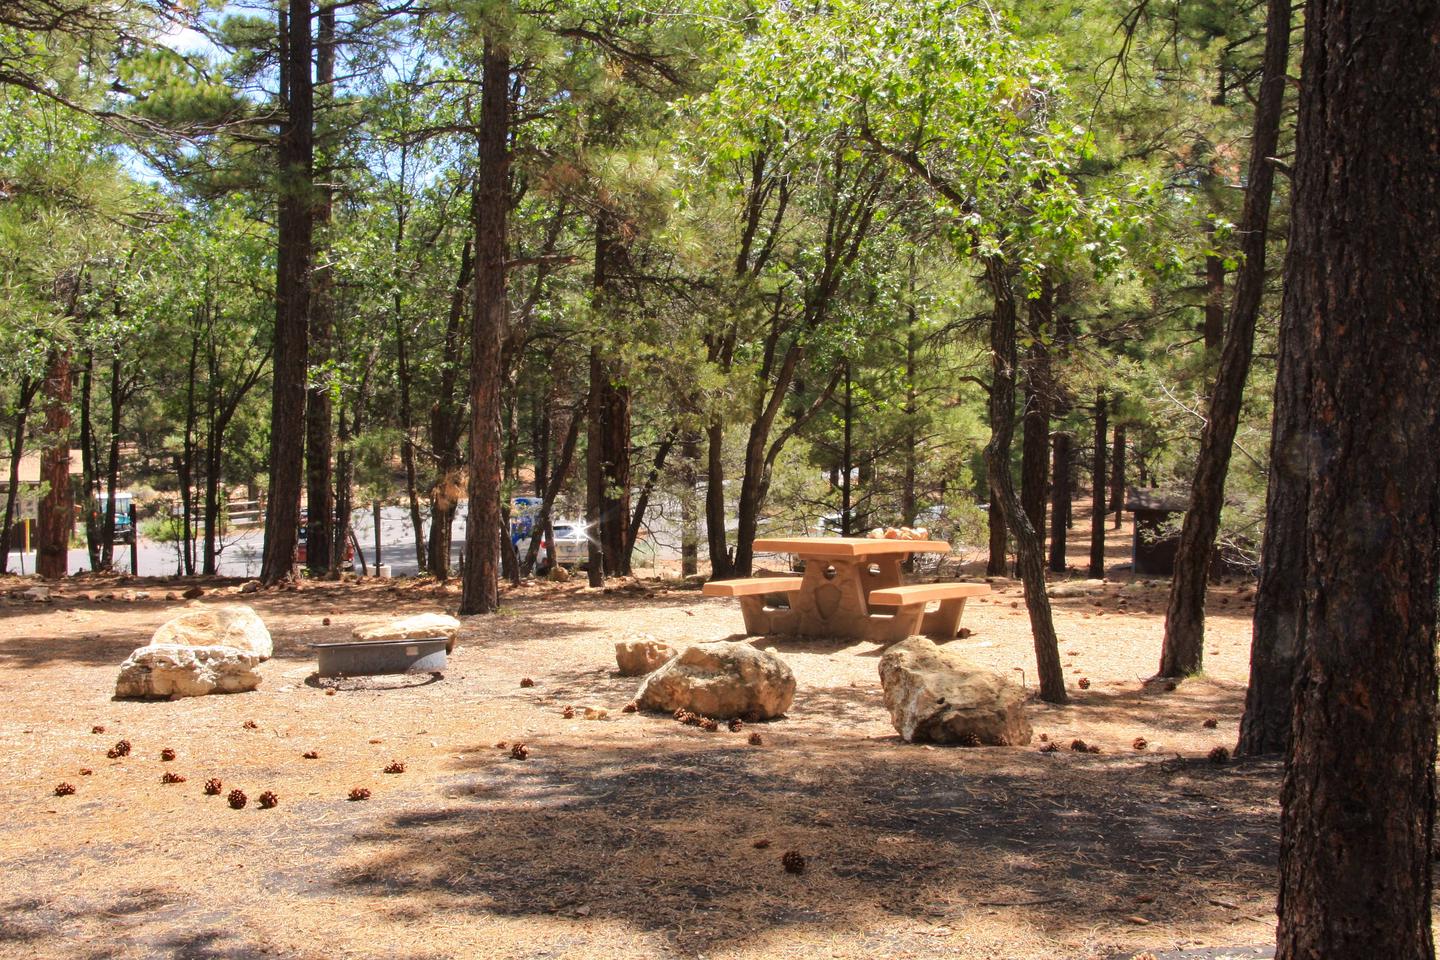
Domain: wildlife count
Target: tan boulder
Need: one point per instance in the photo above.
(641, 655)
(176, 670)
(721, 680)
(218, 625)
(935, 695)
(422, 626)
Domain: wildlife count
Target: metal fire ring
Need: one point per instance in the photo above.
(366, 658)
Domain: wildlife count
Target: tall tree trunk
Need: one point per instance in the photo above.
(1358, 801)
(445, 422)
(112, 466)
(1039, 393)
(997, 467)
(55, 518)
(995, 566)
(480, 593)
(543, 529)
(185, 467)
(294, 254)
(909, 506)
(1099, 477)
(847, 458)
(689, 502)
(642, 502)
(89, 468)
(721, 564)
(594, 473)
(1117, 475)
(1059, 502)
(28, 389)
(1184, 646)
(319, 409)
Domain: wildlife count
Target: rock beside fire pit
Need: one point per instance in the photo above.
(421, 626)
(219, 625)
(721, 680)
(642, 654)
(175, 670)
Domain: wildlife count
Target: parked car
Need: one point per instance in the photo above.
(124, 529)
(572, 545)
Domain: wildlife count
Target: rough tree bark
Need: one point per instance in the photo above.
(1098, 480)
(1059, 502)
(445, 425)
(56, 515)
(319, 408)
(480, 593)
(1039, 396)
(997, 467)
(29, 386)
(1184, 645)
(1358, 799)
(1117, 475)
(295, 236)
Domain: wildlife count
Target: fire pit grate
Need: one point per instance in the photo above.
(368, 658)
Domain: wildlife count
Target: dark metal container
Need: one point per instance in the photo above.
(364, 658)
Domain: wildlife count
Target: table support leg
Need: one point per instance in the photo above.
(944, 623)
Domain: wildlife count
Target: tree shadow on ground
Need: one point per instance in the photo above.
(669, 841)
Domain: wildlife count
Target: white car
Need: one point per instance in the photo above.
(572, 546)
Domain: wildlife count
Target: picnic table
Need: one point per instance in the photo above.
(851, 588)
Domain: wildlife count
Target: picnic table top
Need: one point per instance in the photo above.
(846, 546)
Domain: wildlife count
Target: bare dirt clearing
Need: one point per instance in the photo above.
(625, 837)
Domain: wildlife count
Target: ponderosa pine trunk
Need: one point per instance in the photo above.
(28, 388)
(1117, 475)
(55, 517)
(445, 425)
(594, 473)
(1358, 800)
(1039, 396)
(319, 407)
(1184, 645)
(294, 254)
(1099, 478)
(689, 502)
(544, 527)
(1059, 502)
(995, 566)
(721, 564)
(1030, 560)
(481, 591)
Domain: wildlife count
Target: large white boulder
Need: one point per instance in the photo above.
(642, 654)
(935, 695)
(721, 680)
(219, 625)
(422, 626)
(175, 670)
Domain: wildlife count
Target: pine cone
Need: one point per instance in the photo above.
(360, 793)
(395, 766)
(64, 789)
(710, 724)
(86, 771)
(167, 755)
(1050, 747)
(250, 725)
(755, 738)
(1210, 724)
(1171, 686)
(519, 752)
(236, 799)
(1084, 683)
(1044, 738)
(1078, 746)
(311, 755)
(969, 740)
(735, 724)
(1140, 743)
(526, 682)
(269, 800)
(171, 778)
(793, 862)
(568, 713)
(631, 707)
(121, 749)
(213, 787)
(1219, 755)
(97, 729)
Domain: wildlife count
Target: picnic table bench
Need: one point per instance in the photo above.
(851, 588)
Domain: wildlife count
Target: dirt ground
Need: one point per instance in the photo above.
(631, 836)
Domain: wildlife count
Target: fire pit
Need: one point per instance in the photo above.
(366, 658)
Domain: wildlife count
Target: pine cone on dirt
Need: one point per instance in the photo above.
(395, 766)
(709, 724)
(250, 725)
(1210, 724)
(1084, 683)
(1050, 747)
(519, 752)
(171, 778)
(97, 729)
(64, 789)
(1079, 746)
(1220, 756)
(568, 713)
(236, 799)
(793, 862)
(269, 800)
(86, 771)
(526, 682)
(735, 724)
(360, 793)
(213, 786)
(755, 738)
(1141, 743)
(631, 707)
(969, 740)
(311, 755)
(121, 749)
(167, 755)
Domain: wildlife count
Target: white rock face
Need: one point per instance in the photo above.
(419, 627)
(175, 670)
(935, 695)
(39, 594)
(642, 654)
(220, 625)
(1077, 588)
(721, 680)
